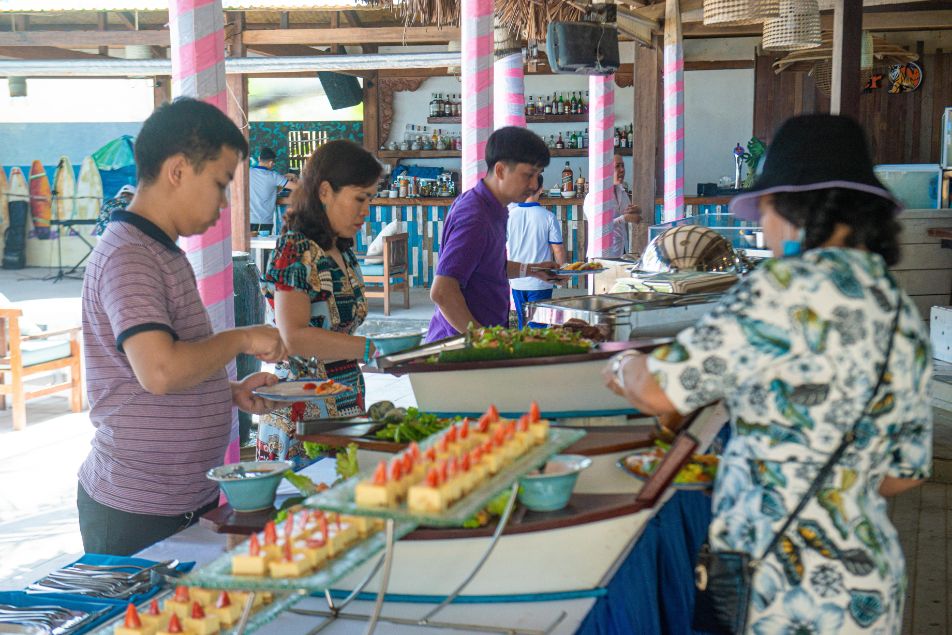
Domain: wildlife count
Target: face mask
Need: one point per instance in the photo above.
(794, 247)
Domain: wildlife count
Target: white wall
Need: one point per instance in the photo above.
(718, 113)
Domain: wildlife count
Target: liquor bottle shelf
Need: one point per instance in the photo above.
(455, 154)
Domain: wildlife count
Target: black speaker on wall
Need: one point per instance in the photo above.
(343, 91)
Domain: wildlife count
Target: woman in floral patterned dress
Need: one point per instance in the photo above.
(315, 290)
(795, 350)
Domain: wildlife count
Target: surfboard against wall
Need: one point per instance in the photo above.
(64, 190)
(41, 207)
(88, 190)
(17, 189)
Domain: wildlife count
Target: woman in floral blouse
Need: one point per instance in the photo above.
(314, 288)
(795, 350)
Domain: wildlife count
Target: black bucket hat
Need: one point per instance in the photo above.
(814, 152)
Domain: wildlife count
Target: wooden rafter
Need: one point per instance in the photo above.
(375, 35)
(45, 53)
(85, 39)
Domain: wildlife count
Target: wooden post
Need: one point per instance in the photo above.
(645, 150)
(371, 108)
(238, 112)
(847, 45)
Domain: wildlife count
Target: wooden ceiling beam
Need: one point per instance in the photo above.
(45, 53)
(283, 50)
(878, 21)
(373, 35)
(85, 39)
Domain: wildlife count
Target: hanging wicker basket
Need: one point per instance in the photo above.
(740, 11)
(798, 27)
(505, 42)
(822, 73)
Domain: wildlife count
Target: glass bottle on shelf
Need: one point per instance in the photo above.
(585, 103)
(574, 103)
(560, 106)
(617, 138)
(433, 104)
(548, 105)
(530, 106)
(585, 139)
(551, 143)
(573, 143)
(540, 107)
(568, 178)
(559, 144)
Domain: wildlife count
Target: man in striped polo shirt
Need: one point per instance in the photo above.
(159, 396)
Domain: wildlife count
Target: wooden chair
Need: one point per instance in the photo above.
(390, 275)
(25, 355)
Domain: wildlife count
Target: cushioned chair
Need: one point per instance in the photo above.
(22, 355)
(392, 274)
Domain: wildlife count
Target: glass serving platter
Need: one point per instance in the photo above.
(217, 574)
(340, 498)
(259, 618)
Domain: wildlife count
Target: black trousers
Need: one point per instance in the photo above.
(111, 531)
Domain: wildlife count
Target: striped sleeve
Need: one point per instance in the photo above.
(133, 294)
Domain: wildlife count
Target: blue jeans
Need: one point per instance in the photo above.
(520, 297)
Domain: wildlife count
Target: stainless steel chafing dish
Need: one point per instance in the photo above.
(627, 315)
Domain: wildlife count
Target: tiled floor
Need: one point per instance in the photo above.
(39, 531)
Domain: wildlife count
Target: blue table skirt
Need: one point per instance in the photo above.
(653, 590)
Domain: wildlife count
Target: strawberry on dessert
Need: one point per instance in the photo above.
(225, 610)
(180, 603)
(252, 563)
(199, 623)
(133, 625)
(378, 491)
(154, 618)
(174, 627)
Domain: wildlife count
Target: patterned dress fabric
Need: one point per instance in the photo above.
(795, 349)
(337, 304)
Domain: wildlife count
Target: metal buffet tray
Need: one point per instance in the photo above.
(419, 353)
(628, 314)
(320, 426)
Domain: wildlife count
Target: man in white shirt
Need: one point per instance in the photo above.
(623, 214)
(263, 187)
(533, 235)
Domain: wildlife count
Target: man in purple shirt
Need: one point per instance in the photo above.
(471, 285)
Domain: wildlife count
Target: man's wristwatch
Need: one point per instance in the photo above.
(618, 365)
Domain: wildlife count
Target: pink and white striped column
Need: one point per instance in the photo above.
(673, 104)
(509, 92)
(601, 151)
(476, 42)
(197, 30)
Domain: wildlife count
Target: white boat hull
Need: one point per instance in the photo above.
(561, 390)
(573, 558)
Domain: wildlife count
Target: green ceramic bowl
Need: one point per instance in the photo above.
(551, 490)
(250, 486)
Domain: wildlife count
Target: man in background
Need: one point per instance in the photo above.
(119, 202)
(264, 185)
(534, 235)
(624, 213)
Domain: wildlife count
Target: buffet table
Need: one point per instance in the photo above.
(651, 590)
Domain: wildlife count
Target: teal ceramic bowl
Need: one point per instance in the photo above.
(552, 489)
(390, 343)
(250, 486)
